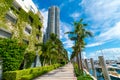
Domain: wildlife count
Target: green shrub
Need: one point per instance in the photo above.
(81, 76)
(28, 74)
(8, 75)
(84, 77)
(12, 54)
(29, 58)
(27, 77)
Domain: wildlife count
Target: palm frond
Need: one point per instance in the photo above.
(69, 33)
(73, 38)
(89, 33)
(81, 20)
(85, 24)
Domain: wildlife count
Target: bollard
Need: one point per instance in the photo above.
(104, 68)
(93, 67)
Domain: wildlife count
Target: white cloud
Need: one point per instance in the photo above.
(95, 44)
(84, 55)
(110, 53)
(64, 27)
(45, 15)
(102, 9)
(112, 33)
(104, 15)
(68, 44)
(75, 15)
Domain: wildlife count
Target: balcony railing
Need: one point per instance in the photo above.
(4, 33)
(11, 17)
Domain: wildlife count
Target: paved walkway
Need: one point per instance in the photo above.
(62, 73)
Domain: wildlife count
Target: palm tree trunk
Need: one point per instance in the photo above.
(81, 65)
(50, 61)
(44, 62)
(78, 63)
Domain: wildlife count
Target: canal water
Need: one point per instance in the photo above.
(100, 76)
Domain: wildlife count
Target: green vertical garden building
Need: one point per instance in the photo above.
(20, 31)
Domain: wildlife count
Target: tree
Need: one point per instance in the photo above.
(53, 51)
(78, 36)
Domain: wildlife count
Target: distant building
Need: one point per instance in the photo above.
(53, 22)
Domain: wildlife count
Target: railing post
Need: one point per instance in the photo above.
(86, 64)
(93, 67)
(104, 68)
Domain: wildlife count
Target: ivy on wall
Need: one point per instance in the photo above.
(23, 20)
(14, 54)
(29, 58)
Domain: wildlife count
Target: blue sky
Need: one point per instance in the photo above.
(102, 17)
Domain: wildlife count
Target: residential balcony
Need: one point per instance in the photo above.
(28, 29)
(5, 33)
(20, 4)
(26, 41)
(11, 17)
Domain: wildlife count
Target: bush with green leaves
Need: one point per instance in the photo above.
(28, 74)
(12, 54)
(84, 77)
(80, 75)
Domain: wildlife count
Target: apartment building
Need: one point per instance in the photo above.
(21, 20)
(53, 22)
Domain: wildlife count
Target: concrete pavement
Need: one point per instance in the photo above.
(63, 73)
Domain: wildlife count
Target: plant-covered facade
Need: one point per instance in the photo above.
(21, 26)
(15, 23)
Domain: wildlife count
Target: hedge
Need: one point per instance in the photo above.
(28, 74)
(12, 54)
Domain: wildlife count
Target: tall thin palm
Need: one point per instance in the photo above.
(78, 35)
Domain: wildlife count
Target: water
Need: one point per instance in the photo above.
(114, 78)
(100, 75)
(114, 65)
(117, 70)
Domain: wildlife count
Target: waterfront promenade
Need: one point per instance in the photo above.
(63, 73)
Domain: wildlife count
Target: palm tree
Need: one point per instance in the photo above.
(78, 35)
(53, 51)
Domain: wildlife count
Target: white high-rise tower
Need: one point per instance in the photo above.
(53, 22)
